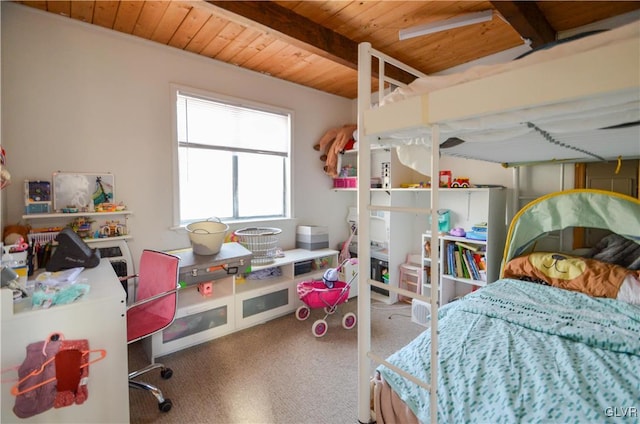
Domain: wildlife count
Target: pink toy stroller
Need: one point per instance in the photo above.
(327, 293)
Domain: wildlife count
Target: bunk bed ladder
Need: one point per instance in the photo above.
(365, 52)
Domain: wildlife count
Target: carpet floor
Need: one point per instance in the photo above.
(276, 372)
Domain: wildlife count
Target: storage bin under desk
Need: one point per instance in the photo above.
(258, 301)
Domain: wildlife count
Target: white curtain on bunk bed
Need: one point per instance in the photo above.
(572, 117)
(575, 117)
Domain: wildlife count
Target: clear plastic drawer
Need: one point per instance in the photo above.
(266, 302)
(196, 323)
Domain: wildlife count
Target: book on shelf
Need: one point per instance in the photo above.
(468, 246)
(450, 260)
(459, 272)
(465, 263)
(466, 266)
(473, 267)
(481, 261)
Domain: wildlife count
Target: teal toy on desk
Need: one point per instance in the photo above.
(42, 299)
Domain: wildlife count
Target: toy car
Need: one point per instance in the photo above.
(460, 183)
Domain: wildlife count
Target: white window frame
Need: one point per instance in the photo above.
(216, 97)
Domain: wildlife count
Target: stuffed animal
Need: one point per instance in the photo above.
(12, 233)
(332, 143)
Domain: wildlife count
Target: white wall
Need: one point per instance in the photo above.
(533, 181)
(80, 98)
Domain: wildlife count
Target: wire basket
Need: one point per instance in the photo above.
(261, 241)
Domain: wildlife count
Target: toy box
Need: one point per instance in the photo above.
(37, 191)
(37, 197)
(37, 207)
(312, 237)
(345, 182)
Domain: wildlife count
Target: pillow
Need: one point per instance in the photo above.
(630, 290)
(589, 276)
(615, 249)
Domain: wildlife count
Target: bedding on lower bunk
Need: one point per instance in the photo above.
(521, 352)
(585, 275)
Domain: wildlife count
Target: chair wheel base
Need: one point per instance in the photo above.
(165, 406)
(166, 373)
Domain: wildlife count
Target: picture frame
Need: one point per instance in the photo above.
(82, 191)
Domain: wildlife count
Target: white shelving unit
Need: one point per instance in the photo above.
(391, 194)
(467, 207)
(238, 303)
(482, 205)
(453, 287)
(53, 220)
(399, 173)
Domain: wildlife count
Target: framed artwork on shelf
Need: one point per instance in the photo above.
(82, 191)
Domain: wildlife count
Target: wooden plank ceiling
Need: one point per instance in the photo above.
(314, 43)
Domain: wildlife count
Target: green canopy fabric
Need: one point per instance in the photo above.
(573, 208)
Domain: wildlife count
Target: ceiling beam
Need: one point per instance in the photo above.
(299, 31)
(528, 20)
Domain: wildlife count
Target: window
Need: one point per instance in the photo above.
(233, 159)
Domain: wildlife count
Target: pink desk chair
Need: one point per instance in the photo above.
(154, 310)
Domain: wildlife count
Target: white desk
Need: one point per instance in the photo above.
(99, 317)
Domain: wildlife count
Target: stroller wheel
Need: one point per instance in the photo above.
(349, 320)
(329, 310)
(302, 313)
(319, 328)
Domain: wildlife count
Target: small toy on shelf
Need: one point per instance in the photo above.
(460, 182)
(37, 197)
(348, 171)
(112, 229)
(447, 182)
(206, 288)
(110, 207)
(458, 232)
(478, 232)
(82, 226)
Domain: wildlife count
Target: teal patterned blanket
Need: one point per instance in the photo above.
(516, 352)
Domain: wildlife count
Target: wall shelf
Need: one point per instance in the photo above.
(42, 216)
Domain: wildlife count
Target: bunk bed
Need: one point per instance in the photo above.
(577, 101)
